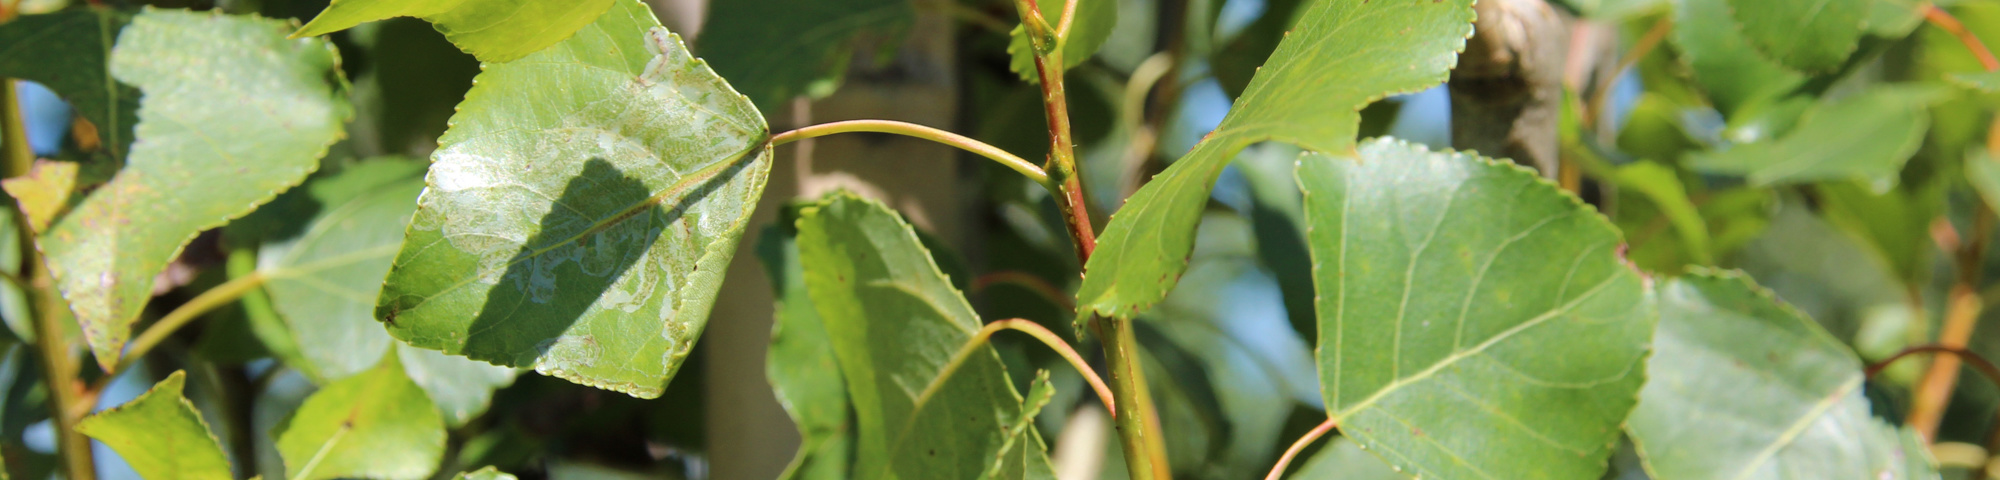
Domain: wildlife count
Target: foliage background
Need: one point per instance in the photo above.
(1235, 374)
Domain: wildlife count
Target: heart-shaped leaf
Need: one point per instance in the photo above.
(1475, 321)
(581, 210)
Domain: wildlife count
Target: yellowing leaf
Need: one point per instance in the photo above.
(161, 435)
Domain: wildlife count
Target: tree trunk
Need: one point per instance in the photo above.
(1506, 94)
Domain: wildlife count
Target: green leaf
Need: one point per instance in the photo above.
(581, 210)
(895, 322)
(1344, 459)
(1662, 185)
(378, 424)
(1809, 35)
(1983, 172)
(323, 282)
(1745, 386)
(70, 52)
(1895, 19)
(801, 364)
(1094, 22)
(1342, 56)
(1723, 62)
(161, 435)
(493, 30)
(1984, 82)
(773, 50)
(1866, 136)
(1476, 321)
(206, 77)
(488, 473)
(1894, 225)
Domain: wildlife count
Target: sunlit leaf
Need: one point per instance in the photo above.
(70, 52)
(1744, 386)
(1809, 35)
(1341, 56)
(161, 435)
(493, 30)
(1475, 321)
(581, 210)
(44, 192)
(1093, 24)
(206, 77)
(1866, 136)
(801, 365)
(322, 282)
(896, 322)
(773, 50)
(378, 424)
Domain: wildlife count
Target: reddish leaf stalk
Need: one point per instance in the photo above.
(1945, 21)
(1278, 470)
(1934, 391)
(1035, 330)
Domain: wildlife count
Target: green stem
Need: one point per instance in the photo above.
(59, 364)
(214, 298)
(1138, 425)
(1026, 168)
(1137, 420)
(1034, 330)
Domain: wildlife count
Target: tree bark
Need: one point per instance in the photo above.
(1506, 94)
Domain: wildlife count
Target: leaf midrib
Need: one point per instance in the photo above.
(1799, 427)
(1449, 360)
(680, 185)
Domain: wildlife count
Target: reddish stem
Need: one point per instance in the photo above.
(1944, 20)
(1299, 446)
